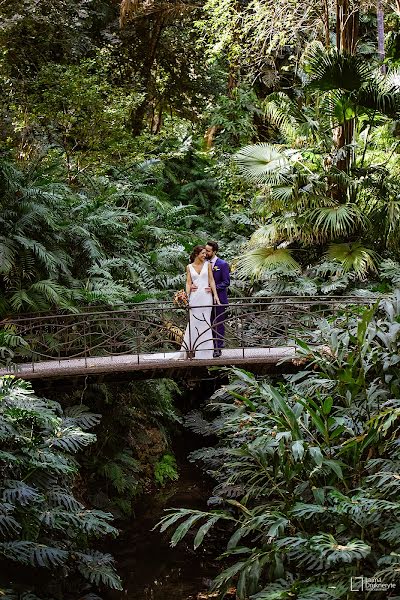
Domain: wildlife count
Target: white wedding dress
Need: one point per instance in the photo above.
(198, 338)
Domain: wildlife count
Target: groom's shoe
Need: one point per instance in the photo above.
(217, 353)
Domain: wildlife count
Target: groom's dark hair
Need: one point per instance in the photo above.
(214, 246)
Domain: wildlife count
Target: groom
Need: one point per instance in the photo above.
(220, 270)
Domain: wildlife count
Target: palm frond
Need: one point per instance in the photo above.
(257, 263)
(332, 69)
(338, 220)
(264, 163)
(381, 94)
(8, 251)
(286, 228)
(354, 257)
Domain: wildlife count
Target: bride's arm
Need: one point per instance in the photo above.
(211, 283)
(188, 281)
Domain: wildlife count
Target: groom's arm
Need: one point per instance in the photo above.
(225, 277)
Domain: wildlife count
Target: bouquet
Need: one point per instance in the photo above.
(181, 298)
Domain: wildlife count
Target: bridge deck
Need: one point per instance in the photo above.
(99, 365)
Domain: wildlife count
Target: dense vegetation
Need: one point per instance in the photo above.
(43, 524)
(116, 146)
(307, 470)
(131, 131)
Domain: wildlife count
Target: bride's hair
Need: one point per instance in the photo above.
(195, 252)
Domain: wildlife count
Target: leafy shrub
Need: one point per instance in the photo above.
(137, 422)
(307, 470)
(42, 524)
(166, 469)
(10, 345)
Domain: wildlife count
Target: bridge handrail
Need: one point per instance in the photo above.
(147, 328)
(165, 304)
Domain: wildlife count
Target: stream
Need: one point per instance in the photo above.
(149, 567)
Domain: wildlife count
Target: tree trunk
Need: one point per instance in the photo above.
(381, 34)
(210, 135)
(347, 17)
(137, 115)
(326, 25)
(157, 119)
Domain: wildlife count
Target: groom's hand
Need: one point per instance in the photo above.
(193, 287)
(208, 289)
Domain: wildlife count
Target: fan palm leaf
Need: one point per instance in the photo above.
(282, 194)
(256, 263)
(286, 228)
(265, 163)
(331, 69)
(266, 235)
(354, 257)
(336, 221)
(381, 94)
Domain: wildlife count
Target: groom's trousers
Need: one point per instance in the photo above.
(218, 316)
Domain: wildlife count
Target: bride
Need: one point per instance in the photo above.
(201, 290)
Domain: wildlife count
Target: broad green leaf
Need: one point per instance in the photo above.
(203, 530)
(298, 450)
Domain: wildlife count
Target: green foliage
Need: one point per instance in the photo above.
(10, 344)
(166, 469)
(134, 433)
(110, 243)
(306, 470)
(67, 100)
(324, 194)
(42, 524)
(122, 473)
(233, 118)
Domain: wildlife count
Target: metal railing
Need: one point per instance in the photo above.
(148, 328)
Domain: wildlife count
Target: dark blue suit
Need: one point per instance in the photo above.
(222, 281)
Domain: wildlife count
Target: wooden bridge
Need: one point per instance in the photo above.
(146, 340)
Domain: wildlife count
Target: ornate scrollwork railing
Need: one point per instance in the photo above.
(150, 328)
